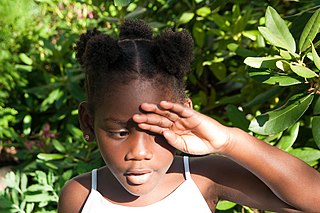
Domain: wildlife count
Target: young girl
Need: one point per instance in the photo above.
(138, 113)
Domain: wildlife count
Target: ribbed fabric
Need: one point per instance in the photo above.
(186, 198)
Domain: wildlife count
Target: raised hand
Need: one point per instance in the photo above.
(184, 128)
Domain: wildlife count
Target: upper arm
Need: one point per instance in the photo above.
(72, 197)
(230, 181)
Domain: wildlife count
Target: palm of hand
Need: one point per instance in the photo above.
(184, 128)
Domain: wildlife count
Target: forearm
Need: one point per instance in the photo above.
(292, 180)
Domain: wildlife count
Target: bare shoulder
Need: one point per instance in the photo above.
(74, 194)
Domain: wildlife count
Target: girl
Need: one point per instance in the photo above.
(138, 113)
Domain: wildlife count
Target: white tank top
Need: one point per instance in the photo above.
(186, 198)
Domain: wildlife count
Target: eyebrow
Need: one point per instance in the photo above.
(116, 121)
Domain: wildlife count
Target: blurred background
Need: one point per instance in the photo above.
(41, 84)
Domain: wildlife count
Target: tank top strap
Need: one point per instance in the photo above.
(94, 179)
(186, 167)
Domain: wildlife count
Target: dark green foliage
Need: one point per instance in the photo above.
(41, 84)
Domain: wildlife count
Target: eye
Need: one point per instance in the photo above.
(121, 134)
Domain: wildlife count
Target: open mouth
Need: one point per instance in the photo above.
(138, 177)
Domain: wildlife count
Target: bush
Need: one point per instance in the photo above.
(241, 76)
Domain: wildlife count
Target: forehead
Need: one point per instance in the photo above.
(124, 100)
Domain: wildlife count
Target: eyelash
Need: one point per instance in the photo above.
(118, 134)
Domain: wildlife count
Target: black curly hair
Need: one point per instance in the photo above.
(109, 62)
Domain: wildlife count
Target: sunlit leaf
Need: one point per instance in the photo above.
(310, 31)
(303, 71)
(289, 137)
(203, 11)
(48, 157)
(316, 58)
(273, 38)
(53, 96)
(285, 54)
(122, 3)
(58, 146)
(262, 62)
(280, 119)
(136, 13)
(283, 65)
(27, 124)
(225, 205)
(269, 77)
(307, 154)
(25, 59)
(43, 196)
(186, 17)
(277, 31)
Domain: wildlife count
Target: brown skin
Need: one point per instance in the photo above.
(143, 142)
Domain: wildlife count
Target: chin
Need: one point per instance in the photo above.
(138, 190)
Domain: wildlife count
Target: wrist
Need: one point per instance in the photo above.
(233, 134)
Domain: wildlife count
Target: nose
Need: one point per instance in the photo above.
(140, 146)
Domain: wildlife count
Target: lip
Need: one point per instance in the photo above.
(138, 176)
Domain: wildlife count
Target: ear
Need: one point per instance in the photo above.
(86, 121)
(188, 103)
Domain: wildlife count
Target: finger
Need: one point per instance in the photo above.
(152, 128)
(174, 140)
(152, 119)
(160, 111)
(177, 108)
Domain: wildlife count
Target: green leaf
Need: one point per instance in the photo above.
(307, 154)
(264, 96)
(286, 55)
(280, 119)
(316, 129)
(225, 205)
(237, 117)
(122, 3)
(48, 157)
(24, 182)
(203, 11)
(277, 32)
(27, 124)
(289, 137)
(219, 70)
(316, 58)
(58, 146)
(40, 197)
(310, 31)
(273, 38)
(25, 59)
(283, 65)
(186, 17)
(303, 71)
(136, 13)
(272, 78)
(316, 109)
(262, 62)
(198, 34)
(53, 96)
(316, 123)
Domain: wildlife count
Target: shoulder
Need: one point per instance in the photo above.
(74, 193)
